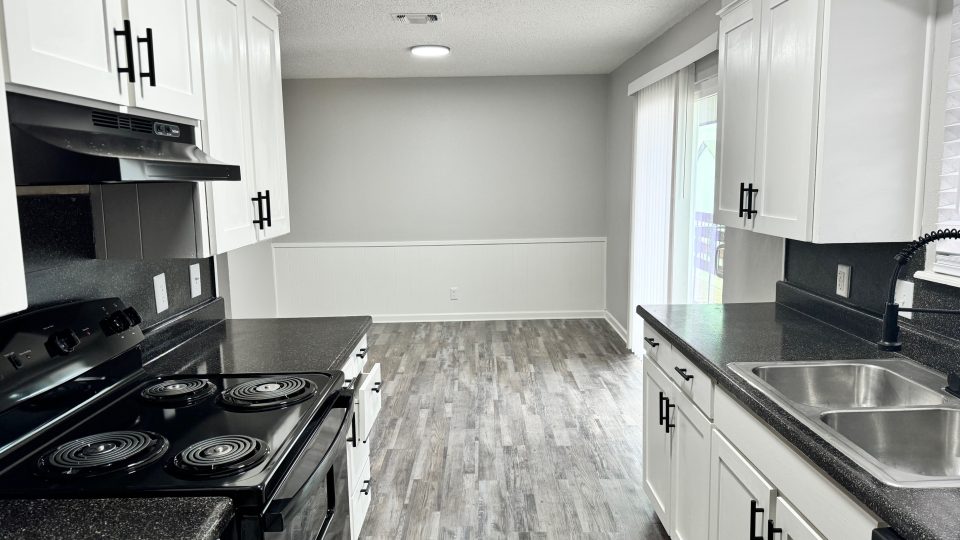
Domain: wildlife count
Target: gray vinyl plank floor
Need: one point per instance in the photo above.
(507, 429)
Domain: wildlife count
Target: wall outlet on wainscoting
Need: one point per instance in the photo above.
(454, 293)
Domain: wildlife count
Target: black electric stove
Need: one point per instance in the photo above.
(81, 418)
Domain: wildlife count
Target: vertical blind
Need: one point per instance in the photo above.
(948, 198)
(653, 183)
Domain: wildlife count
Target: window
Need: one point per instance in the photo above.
(947, 257)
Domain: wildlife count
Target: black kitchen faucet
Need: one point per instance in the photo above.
(890, 336)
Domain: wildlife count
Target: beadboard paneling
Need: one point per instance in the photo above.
(397, 281)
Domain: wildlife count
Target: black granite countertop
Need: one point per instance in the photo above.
(264, 346)
(168, 518)
(713, 336)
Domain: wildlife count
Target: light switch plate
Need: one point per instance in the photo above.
(160, 291)
(195, 280)
(904, 296)
(843, 280)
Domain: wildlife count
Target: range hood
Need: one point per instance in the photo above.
(57, 143)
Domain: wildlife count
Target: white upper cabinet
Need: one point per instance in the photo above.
(148, 59)
(226, 129)
(68, 46)
(739, 64)
(13, 292)
(266, 112)
(167, 55)
(821, 117)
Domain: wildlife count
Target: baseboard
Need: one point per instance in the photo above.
(493, 316)
(617, 327)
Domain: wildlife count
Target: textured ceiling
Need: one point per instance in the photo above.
(358, 38)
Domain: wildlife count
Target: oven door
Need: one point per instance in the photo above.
(313, 503)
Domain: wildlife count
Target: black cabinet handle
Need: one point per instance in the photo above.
(651, 341)
(751, 192)
(353, 429)
(665, 407)
(269, 217)
(127, 35)
(743, 189)
(151, 72)
(663, 400)
(377, 387)
(771, 530)
(754, 510)
(366, 489)
(669, 425)
(362, 353)
(683, 373)
(260, 220)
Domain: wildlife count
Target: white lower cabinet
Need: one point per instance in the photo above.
(363, 375)
(656, 440)
(714, 471)
(740, 497)
(789, 524)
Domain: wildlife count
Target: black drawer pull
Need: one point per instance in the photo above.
(366, 489)
(362, 354)
(377, 387)
(754, 510)
(771, 530)
(683, 373)
(651, 341)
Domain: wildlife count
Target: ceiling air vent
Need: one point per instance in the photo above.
(416, 18)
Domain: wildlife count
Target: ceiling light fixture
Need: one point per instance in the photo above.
(430, 51)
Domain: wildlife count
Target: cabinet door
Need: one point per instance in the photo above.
(787, 135)
(167, 48)
(370, 401)
(740, 497)
(67, 46)
(266, 111)
(226, 129)
(690, 458)
(737, 110)
(656, 440)
(13, 293)
(792, 525)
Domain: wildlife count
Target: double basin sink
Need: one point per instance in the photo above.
(890, 416)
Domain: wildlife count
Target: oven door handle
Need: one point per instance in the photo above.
(288, 497)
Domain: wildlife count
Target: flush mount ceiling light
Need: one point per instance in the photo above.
(430, 51)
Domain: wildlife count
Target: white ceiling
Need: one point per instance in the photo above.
(358, 38)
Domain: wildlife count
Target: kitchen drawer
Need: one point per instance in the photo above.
(370, 399)
(360, 496)
(358, 453)
(654, 346)
(692, 382)
(354, 364)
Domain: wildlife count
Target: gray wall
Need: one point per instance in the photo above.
(619, 158)
(446, 158)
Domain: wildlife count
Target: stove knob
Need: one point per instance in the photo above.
(133, 316)
(114, 324)
(62, 343)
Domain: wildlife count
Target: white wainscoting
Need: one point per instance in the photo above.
(411, 281)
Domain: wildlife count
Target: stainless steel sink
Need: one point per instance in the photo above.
(838, 385)
(891, 416)
(924, 442)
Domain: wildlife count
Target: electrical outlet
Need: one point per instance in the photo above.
(904, 296)
(843, 280)
(195, 280)
(454, 293)
(160, 291)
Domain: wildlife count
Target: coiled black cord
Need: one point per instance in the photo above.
(911, 249)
